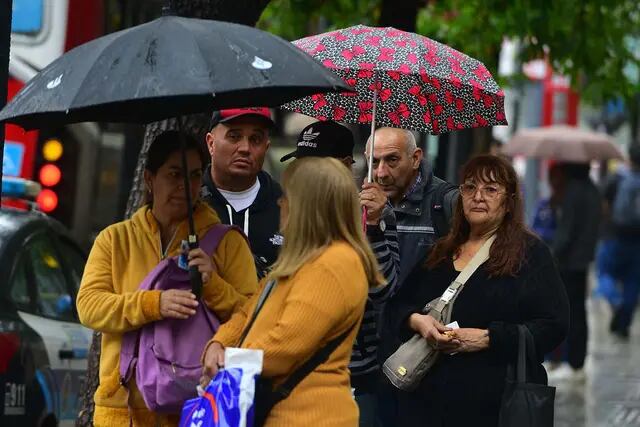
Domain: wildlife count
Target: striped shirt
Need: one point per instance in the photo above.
(364, 359)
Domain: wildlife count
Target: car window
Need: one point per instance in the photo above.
(74, 260)
(54, 300)
(22, 295)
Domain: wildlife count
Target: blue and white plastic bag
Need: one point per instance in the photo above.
(228, 400)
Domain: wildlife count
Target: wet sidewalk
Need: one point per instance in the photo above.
(610, 394)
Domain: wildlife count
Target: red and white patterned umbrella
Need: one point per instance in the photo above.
(418, 83)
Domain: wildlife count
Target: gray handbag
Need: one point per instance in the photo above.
(407, 366)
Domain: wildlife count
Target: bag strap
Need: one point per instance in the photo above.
(521, 366)
(268, 287)
(210, 241)
(526, 351)
(319, 357)
(284, 390)
(456, 286)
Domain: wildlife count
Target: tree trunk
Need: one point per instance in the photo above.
(245, 12)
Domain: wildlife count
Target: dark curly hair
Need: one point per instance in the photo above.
(508, 251)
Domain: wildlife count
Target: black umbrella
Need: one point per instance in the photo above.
(169, 67)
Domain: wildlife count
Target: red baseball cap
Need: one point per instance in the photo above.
(223, 116)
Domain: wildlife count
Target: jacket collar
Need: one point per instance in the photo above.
(417, 191)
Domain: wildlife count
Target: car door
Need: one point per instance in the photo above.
(55, 319)
(24, 374)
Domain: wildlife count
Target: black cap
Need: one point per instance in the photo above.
(323, 139)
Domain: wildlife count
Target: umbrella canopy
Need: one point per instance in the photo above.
(419, 84)
(169, 67)
(564, 143)
(165, 68)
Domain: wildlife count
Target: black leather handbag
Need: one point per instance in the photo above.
(525, 404)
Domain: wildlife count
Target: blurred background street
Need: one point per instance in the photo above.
(610, 393)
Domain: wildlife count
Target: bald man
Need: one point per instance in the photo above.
(423, 206)
(423, 203)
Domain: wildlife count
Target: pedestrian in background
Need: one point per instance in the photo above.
(321, 279)
(518, 284)
(607, 286)
(545, 223)
(236, 186)
(625, 245)
(124, 253)
(574, 246)
(545, 220)
(330, 139)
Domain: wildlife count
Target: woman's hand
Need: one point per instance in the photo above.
(470, 340)
(206, 266)
(177, 304)
(433, 331)
(213, 361)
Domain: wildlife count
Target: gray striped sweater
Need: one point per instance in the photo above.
(364, 358)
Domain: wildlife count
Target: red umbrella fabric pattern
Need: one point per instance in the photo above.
(421, 84)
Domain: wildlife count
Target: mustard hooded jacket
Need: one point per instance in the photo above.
(109, 300)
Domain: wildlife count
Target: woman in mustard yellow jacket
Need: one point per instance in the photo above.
(123, 254)
(323, 274)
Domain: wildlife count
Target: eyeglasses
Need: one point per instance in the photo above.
(488, 192)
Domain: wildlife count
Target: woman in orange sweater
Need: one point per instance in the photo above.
(322, 277)
(124, 253)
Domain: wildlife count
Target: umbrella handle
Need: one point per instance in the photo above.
(195, 279)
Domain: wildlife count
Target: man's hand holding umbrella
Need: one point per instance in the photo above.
(373, 199)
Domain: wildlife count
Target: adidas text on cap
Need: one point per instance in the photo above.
(323, 139)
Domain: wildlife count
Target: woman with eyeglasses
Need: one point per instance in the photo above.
(518, 284)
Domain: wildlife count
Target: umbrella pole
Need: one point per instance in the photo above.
(194, 275)
(370, 160)
(373, 136)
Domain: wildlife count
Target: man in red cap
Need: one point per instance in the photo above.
(235, 184)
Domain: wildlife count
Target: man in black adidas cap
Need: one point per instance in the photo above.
(329, 139)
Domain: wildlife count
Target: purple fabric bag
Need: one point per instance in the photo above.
(165, 355)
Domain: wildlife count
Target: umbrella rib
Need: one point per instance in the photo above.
(202, 55)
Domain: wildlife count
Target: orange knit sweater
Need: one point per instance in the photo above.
(325, 298)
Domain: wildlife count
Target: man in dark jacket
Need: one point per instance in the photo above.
(423, 203)
(423, 206)
(574, 245)
(235, 184)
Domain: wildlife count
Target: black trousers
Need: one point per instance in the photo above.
(575, 283)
